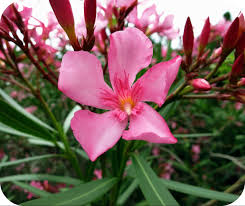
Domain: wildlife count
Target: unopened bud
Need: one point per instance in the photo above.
(241, 24)
(240, 45)
(238, 69)
(200, 84)
(63, 12)
(241, 82)
(216, 53)
(188, 37)
(204, 36)
(188, 41)
(90, 14)
(231, 37)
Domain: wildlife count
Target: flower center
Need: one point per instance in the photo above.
(127, 104)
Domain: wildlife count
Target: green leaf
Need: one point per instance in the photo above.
(21, 110)
(40, 177)
(154, 192)
(126, 194)
(198, 191)
(6, 129)
(11, 117)
(169, 109)
(34, 190)
(197, 135)
(80, 195)
(67, 121)
(41, 142)
(10, 163)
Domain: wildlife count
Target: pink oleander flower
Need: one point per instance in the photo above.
(195, 149)
(31, 109)
(151, 22)
(167, 170)
(81, 79)
(98, 174)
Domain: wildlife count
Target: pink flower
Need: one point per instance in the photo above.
(167, 170)
(151, 22)
(98, 174)
(31, 109)
(195, 149)
(81, 79)
(2, 154)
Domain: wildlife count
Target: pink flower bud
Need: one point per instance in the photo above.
(188, 37)
(63, 12)
(230, 38)
(90, 13)
(204, 36)
(241, 82)
(238, 69)
(216, 53)
(200, 84)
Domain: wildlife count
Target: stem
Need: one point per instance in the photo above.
(230, 189)
(124, 158)
(208, 96)
(56, 124)
(70, 153)
(13, 81)
(44, 62)
(209, 76)
(33, 60)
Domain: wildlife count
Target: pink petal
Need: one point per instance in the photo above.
(130, 51)
(123, 3)
(81, 78)
(149, 125)
(156, 82)
(97, 132)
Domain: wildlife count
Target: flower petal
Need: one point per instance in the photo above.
(81, 78)
(130, 51)
(156, 82)
(148, 125)
(97, 132)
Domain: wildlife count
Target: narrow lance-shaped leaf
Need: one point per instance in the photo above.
(40, 177)
(34, 190)
(14, 104)
(11, 117)
(10, 163)
(154, 192)
(80, 195)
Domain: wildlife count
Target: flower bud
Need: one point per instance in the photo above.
(241, 82)
(188, 37)
(241, 24)
(204, 36)
(188, 40)
(240, 45)
(63, 12)
(216, 53)
(90, 14)
(238, 69)
(200, 84)
(231, 36)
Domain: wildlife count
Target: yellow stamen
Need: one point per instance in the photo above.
(127, 104)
